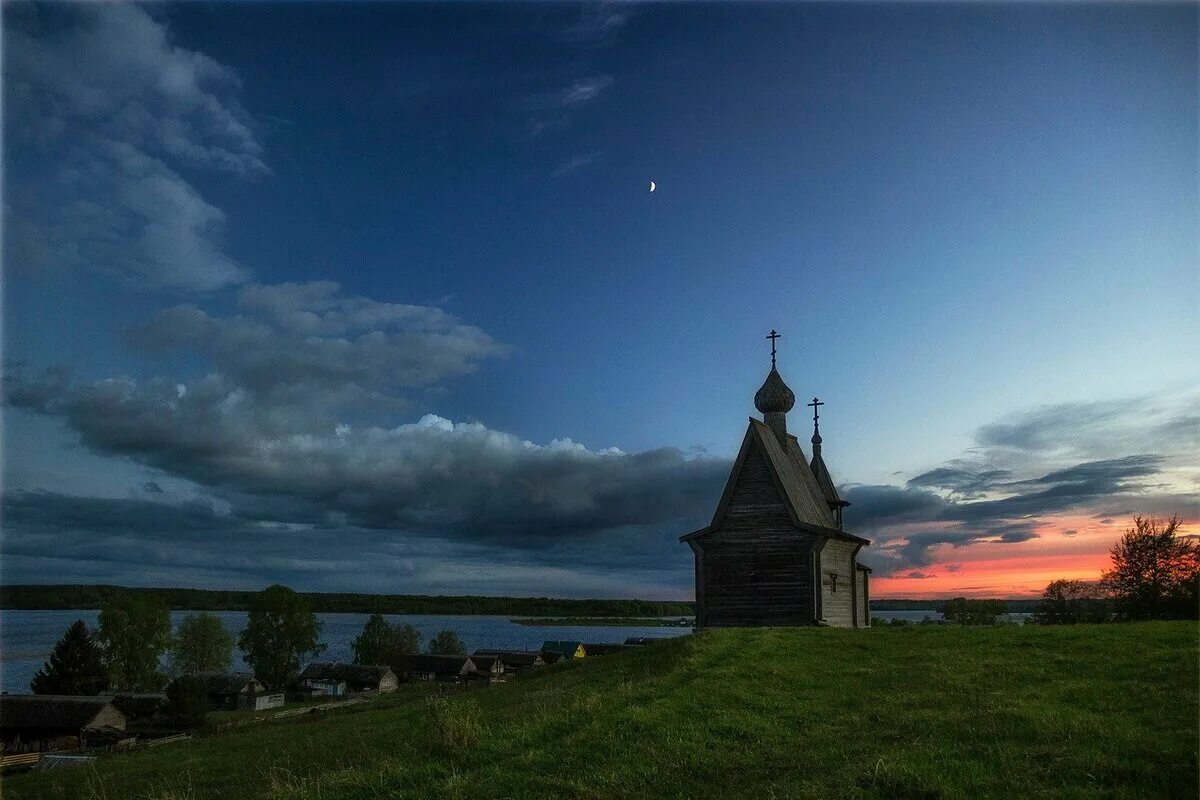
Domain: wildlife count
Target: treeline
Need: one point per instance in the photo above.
(73, 596)
(1013, 606)
(133, 641)
(1155, 575)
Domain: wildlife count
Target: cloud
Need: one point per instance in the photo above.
(960, 480)
(554, 109)
(267, 431)
(572, 164)
(312, 345)
(598, 24)
(1167, 423)
(917, 575)
(1031, 467)
(581, 91)
(110, 109)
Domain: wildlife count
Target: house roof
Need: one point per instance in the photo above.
(137, 704)
(864, 567)
(226, 683)
(565, 648)
(438, 665)
(603, 648)
(824, 481)
(485, 663)
(515, 658)
(52, 711)
(797, 484)
(350, 673)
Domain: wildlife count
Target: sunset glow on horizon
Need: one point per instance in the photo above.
(1072, 548)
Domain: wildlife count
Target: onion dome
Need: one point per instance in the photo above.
(774, 396)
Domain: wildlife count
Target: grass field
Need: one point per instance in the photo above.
(917, 712)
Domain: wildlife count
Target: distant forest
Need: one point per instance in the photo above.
(80, 596)
(89, 596)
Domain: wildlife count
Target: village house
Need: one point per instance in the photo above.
(424, 667)
(603, 648)
(139, 708)
(518, 661)
(338, 678)
(241, 691)
(564, 649)
(488, 669)
(776, 551)
(38, 722)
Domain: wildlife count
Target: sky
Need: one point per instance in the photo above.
(375, 297)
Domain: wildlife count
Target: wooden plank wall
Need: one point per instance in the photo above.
(837, 559)
(757, 578)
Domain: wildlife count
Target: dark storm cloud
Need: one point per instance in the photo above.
(138, 542)
(875, 506)
(1006, 519)
(961, 480)
(430, 476)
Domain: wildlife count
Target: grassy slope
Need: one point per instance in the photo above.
(906, 712)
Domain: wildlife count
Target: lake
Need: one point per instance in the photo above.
(27, 637)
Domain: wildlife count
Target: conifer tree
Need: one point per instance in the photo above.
(75, 666)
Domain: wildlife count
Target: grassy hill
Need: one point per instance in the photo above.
(918, 712)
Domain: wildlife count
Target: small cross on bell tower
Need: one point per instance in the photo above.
(816, 437)
(773, 336)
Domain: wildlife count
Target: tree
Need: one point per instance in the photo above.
(134, 631)
(76, 665)
(381, 643)
(1067, 602)
(447, 643)
(962, 611)
(187, 701)
(282, 631)
(1155, 572)
(202, 644)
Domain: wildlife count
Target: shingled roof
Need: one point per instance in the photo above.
(514, 658)
(350, 673)
(227, 683)
(437, 664)
(802, 495)
(50, 711)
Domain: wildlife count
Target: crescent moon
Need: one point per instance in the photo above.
(652, 186)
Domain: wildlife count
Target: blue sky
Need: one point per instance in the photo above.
(969, 222)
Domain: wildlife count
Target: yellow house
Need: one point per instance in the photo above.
(565, 649)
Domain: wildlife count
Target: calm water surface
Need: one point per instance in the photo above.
(27, 637)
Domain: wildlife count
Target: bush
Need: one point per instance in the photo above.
(187, 701)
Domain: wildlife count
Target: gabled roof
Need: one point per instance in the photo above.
(825, 482)
(801, 493)
(603, 648)
(350, 673)
(485, 663)
(438, 665)
(50, 711)
(227, 683)
(137, 704)
(565, 648)
(514, 658)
